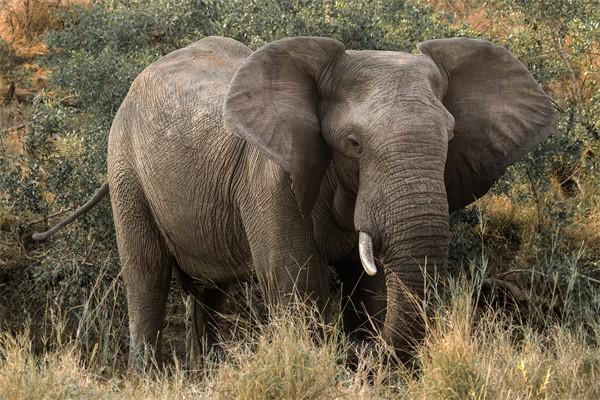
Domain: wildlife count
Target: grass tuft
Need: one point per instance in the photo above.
(56, 375)
(466, 356)
(283, 359)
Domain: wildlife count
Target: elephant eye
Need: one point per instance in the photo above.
(354, 146)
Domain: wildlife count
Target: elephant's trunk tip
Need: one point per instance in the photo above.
(365, 249)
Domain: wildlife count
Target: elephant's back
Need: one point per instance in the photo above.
(184, 81)
(169, 133)
(185, 86)
(202, 65)
(176, 104)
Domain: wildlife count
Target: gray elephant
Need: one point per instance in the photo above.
(223, 161)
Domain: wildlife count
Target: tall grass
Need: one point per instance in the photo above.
(471, 351)
(491, 357)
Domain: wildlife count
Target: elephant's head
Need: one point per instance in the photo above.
(411, 138)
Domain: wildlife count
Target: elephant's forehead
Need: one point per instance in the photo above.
(378, 86)
(364, 73)
(399, 57)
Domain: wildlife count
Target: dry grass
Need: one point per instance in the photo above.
(280, 361)
(495, 360)
(23, 375)
(296, 356)
(23, 21)
(511, 227)
(474, 14)
(586, 227)
(23, 24)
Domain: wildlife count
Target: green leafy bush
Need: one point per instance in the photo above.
(8, 66)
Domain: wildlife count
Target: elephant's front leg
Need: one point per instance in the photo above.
(284, 254)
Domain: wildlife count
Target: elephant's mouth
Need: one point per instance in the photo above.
(343, 208)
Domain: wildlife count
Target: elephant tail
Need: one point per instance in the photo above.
(100, 193)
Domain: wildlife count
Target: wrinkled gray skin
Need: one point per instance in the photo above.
(221, 160)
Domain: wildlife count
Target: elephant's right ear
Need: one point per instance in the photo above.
(273, 102)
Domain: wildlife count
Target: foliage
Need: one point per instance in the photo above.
(8, 62)
(557, 41)
(373, 24)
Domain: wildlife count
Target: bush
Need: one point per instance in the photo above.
(374, 24)
(8, 64)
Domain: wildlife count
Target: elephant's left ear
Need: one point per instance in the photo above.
(499, 109)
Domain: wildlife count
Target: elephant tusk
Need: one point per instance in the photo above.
(365, 249)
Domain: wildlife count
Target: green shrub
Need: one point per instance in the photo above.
(8, 65)
(99, 81)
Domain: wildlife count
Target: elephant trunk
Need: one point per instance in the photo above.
(412, 254)
(406, 214)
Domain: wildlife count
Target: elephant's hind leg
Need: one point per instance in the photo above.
(208, 301)
(207, 307)
(147, 267)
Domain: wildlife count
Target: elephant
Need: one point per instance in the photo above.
(225, 162)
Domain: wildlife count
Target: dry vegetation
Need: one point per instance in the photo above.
(23, 24)
(285, 359)
(520, 320)
(24, 21)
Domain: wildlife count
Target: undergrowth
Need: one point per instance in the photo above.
(471, 351)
